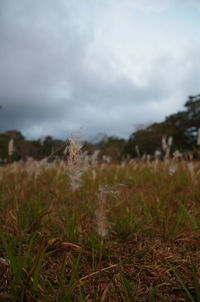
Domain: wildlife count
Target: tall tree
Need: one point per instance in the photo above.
(182, 126)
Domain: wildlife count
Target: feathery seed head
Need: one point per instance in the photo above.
(198, 137)
(11, 148)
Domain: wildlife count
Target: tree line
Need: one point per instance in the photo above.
(182, 126)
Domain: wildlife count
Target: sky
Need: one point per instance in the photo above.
(95, 66)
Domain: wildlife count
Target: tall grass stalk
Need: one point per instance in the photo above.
(75, 164)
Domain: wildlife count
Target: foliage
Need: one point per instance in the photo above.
(182, 126)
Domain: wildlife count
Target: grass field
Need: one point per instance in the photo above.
(111, 232)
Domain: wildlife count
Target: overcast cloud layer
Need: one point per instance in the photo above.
(97, 65)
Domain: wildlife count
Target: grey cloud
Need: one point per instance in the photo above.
(51, 84)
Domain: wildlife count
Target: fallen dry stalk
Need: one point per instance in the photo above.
(99, 271)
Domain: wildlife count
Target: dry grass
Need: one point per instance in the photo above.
(130, 232)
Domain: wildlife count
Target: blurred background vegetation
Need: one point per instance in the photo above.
(182, 126)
